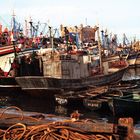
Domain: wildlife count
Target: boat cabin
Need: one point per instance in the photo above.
(67, 66)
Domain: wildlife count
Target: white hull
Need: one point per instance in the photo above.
(5, 62)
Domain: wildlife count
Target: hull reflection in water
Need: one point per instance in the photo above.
(5, 101)
(61, 110)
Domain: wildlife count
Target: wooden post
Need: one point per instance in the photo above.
(14, 46)
(51, 41)
(128, 122)
(99, 46)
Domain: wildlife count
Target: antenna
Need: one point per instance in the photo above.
(13, 13)
(97, 19)
(86, 21)
(31, 24)
(12, 22)
(99, 47)
(26, 28)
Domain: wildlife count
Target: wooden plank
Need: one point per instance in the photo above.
(103, 100)
(12, 116)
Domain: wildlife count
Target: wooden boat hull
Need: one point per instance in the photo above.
(124, 87)
(92, 104)
(132, 59)
(125, 106)
(72, 101)
(8, 86)
(101, 102)
(40, 82)
(73, 98)
(7, 80)
(8, 49)
(137, 63)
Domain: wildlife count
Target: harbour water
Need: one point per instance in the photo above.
(47, 105)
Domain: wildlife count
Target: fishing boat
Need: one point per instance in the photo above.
(131, 59)
(7, 82)
(126, 105)
(69, 98)
(65, 71)
(8, 38)
(124, 86)
(8, 49)
(70, 73)
(137, 63)
(73, 98)
(101, 102)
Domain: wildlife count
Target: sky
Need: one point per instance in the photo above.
(117, 16)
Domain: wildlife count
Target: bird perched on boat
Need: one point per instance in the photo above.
(75, 115)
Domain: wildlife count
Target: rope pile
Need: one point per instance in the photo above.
(48, 131)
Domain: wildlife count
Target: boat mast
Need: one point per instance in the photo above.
(99, 47)
(51, 39)
(31, 26)
(26, 30)
(14, 32)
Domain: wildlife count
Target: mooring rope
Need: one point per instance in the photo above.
(12, 107)
(47, 131)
